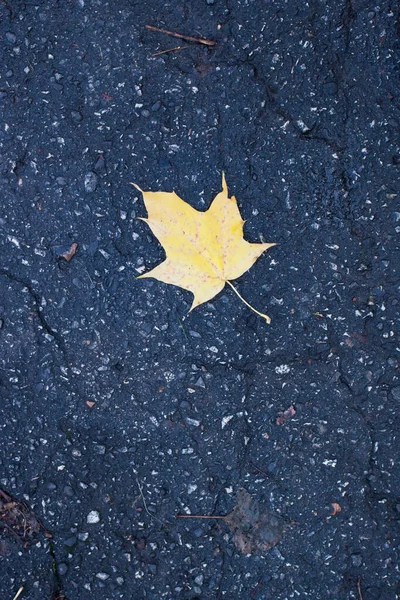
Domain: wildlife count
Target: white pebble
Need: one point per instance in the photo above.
(93, 517)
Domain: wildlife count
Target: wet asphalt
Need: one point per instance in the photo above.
(118, 409)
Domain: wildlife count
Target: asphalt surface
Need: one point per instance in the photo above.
(119, 411)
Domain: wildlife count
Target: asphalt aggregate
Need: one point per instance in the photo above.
(119, 409)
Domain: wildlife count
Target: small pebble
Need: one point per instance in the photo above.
(90, 182)
(396, 393)
(102, 576)
(76, 116)
(62, 569)
(11, 37)
(93, 517)
(199, 579)
(356, 560)
(100, 165)
(68, 491)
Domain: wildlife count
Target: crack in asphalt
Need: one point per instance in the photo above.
(38, 311)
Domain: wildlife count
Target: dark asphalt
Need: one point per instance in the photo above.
(118, 410)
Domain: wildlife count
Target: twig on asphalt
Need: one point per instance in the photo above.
(359, 589)
(254, 592)
(170, 50)
(181, 36)
(199, 517)
(144, 500)
(259, 470)
(17, 595)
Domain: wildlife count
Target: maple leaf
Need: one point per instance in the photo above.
(255, 529)
(204, 250)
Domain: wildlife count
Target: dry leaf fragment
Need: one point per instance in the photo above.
(70, 253)
(285, 415)
(204, 250)
(336, 508)
(254, 529)
(19, 521)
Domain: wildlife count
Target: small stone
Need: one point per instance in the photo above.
(11, 37)
(100, 165)
(76, 116)
(51, 486)
(156, 106)
(62, 569)
(145, 113)
(210, 2)
(70, 542)
(200, 383)
(396, 393)
(356, 560)
(199, 579)
(93, 517)
(102, 576)
(90, 182)
(68, 491)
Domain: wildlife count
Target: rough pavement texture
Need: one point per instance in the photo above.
(299, 105)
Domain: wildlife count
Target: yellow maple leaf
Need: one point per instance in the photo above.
(204, 250)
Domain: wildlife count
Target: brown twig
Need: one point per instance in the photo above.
(259, 470)
(5, 496)
(198, 517)
(170, 50)
(359, 588)
(181, 36)
(254, 592)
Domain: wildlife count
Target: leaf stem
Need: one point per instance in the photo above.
(199, 517)
(266, 317)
